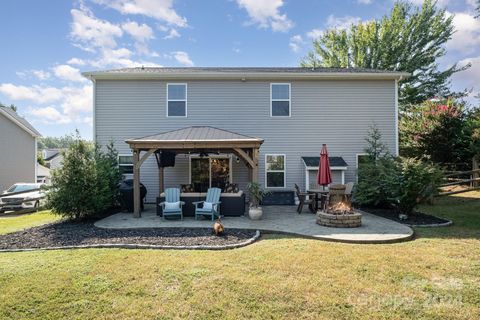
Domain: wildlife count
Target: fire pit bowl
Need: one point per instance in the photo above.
(339, 215)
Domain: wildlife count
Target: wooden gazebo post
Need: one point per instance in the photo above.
(136, 184)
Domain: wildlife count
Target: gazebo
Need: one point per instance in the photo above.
(196, 139)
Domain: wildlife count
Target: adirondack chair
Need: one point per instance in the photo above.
(213, 204)
(172, 195)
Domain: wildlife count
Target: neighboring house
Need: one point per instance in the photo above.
(18, 145)
(43, 174)
(292, 112)
(53, 158)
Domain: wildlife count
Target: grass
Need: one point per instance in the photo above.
(12, 223)
(434, 277)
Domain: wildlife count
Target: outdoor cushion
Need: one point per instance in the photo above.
(172, 205)
(207, 205)
(187, 188)
(231, 188)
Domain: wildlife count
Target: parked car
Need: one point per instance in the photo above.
(20, 201)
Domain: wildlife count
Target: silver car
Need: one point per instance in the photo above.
(23, 196)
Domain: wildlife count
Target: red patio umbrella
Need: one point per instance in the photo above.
(324, 176)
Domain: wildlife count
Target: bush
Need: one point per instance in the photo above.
(386, 181)
(414, 182)
(87, 183)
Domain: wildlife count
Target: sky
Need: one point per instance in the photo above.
(48, 43)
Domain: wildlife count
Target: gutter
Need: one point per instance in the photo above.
(242, 76)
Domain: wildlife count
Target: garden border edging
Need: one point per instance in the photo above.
(145, 246)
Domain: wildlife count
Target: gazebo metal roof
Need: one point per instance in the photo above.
(195, 137)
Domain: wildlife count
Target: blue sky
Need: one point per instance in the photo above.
(47, 43)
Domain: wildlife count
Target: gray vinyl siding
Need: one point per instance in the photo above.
(17, 156)
(337, 113)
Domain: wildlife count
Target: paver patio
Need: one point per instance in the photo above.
(281, 219)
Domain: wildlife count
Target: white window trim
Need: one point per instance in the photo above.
(186, 100)
(289, 99)
(124, 164)
(308, 169)
(221, 156)
(284, 170)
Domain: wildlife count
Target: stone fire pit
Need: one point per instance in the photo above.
(340, 215)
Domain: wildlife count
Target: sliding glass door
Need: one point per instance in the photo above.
(209, 172)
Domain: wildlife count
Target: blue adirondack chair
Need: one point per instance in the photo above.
(213, 197)
(172, 195)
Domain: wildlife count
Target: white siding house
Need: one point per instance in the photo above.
(18, 145)
(294, 110)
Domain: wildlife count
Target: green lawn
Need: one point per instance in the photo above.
(437, 276)
(12, 223)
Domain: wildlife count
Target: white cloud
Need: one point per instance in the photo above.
(172, 34)
(76, 61)
(69, 103)
(158, 9)
(466, 38)
(315, 33)
(39, 74)
(364, 1)
(470, 78)
(140, 32)
(182, 58)
(49, 115)
(266, 14)
(39, 94)
(341, 22)
(66, 72)
(91, 33)
(296, 42)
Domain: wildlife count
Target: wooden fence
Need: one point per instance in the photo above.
(469, 180)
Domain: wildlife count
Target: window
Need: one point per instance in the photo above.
(275, 170)
(280, 99)
(209, 172)
(125, 164)
(176, 100)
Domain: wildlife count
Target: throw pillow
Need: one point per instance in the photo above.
(172, 205)
(207, 205)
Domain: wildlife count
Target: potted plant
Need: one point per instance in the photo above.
(256, 195)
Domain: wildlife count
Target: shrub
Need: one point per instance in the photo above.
(87, 182)
(386, 181)
(414, 182)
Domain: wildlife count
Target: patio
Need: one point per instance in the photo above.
(276, 219)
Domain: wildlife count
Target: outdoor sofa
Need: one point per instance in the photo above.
(232, 204)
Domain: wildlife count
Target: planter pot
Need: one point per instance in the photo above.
(255, 213)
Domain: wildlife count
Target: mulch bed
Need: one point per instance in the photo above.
(67, 233)
(417, 218)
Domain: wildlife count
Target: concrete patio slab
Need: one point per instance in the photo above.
(278, 219)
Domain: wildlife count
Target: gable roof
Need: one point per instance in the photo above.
(197, 134)
(241, 73)
(58, 153)
(19, 121)
(315, 161)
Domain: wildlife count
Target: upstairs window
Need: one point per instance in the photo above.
(176, 100)
(280, 100)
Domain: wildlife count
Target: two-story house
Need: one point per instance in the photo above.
(241, 124)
